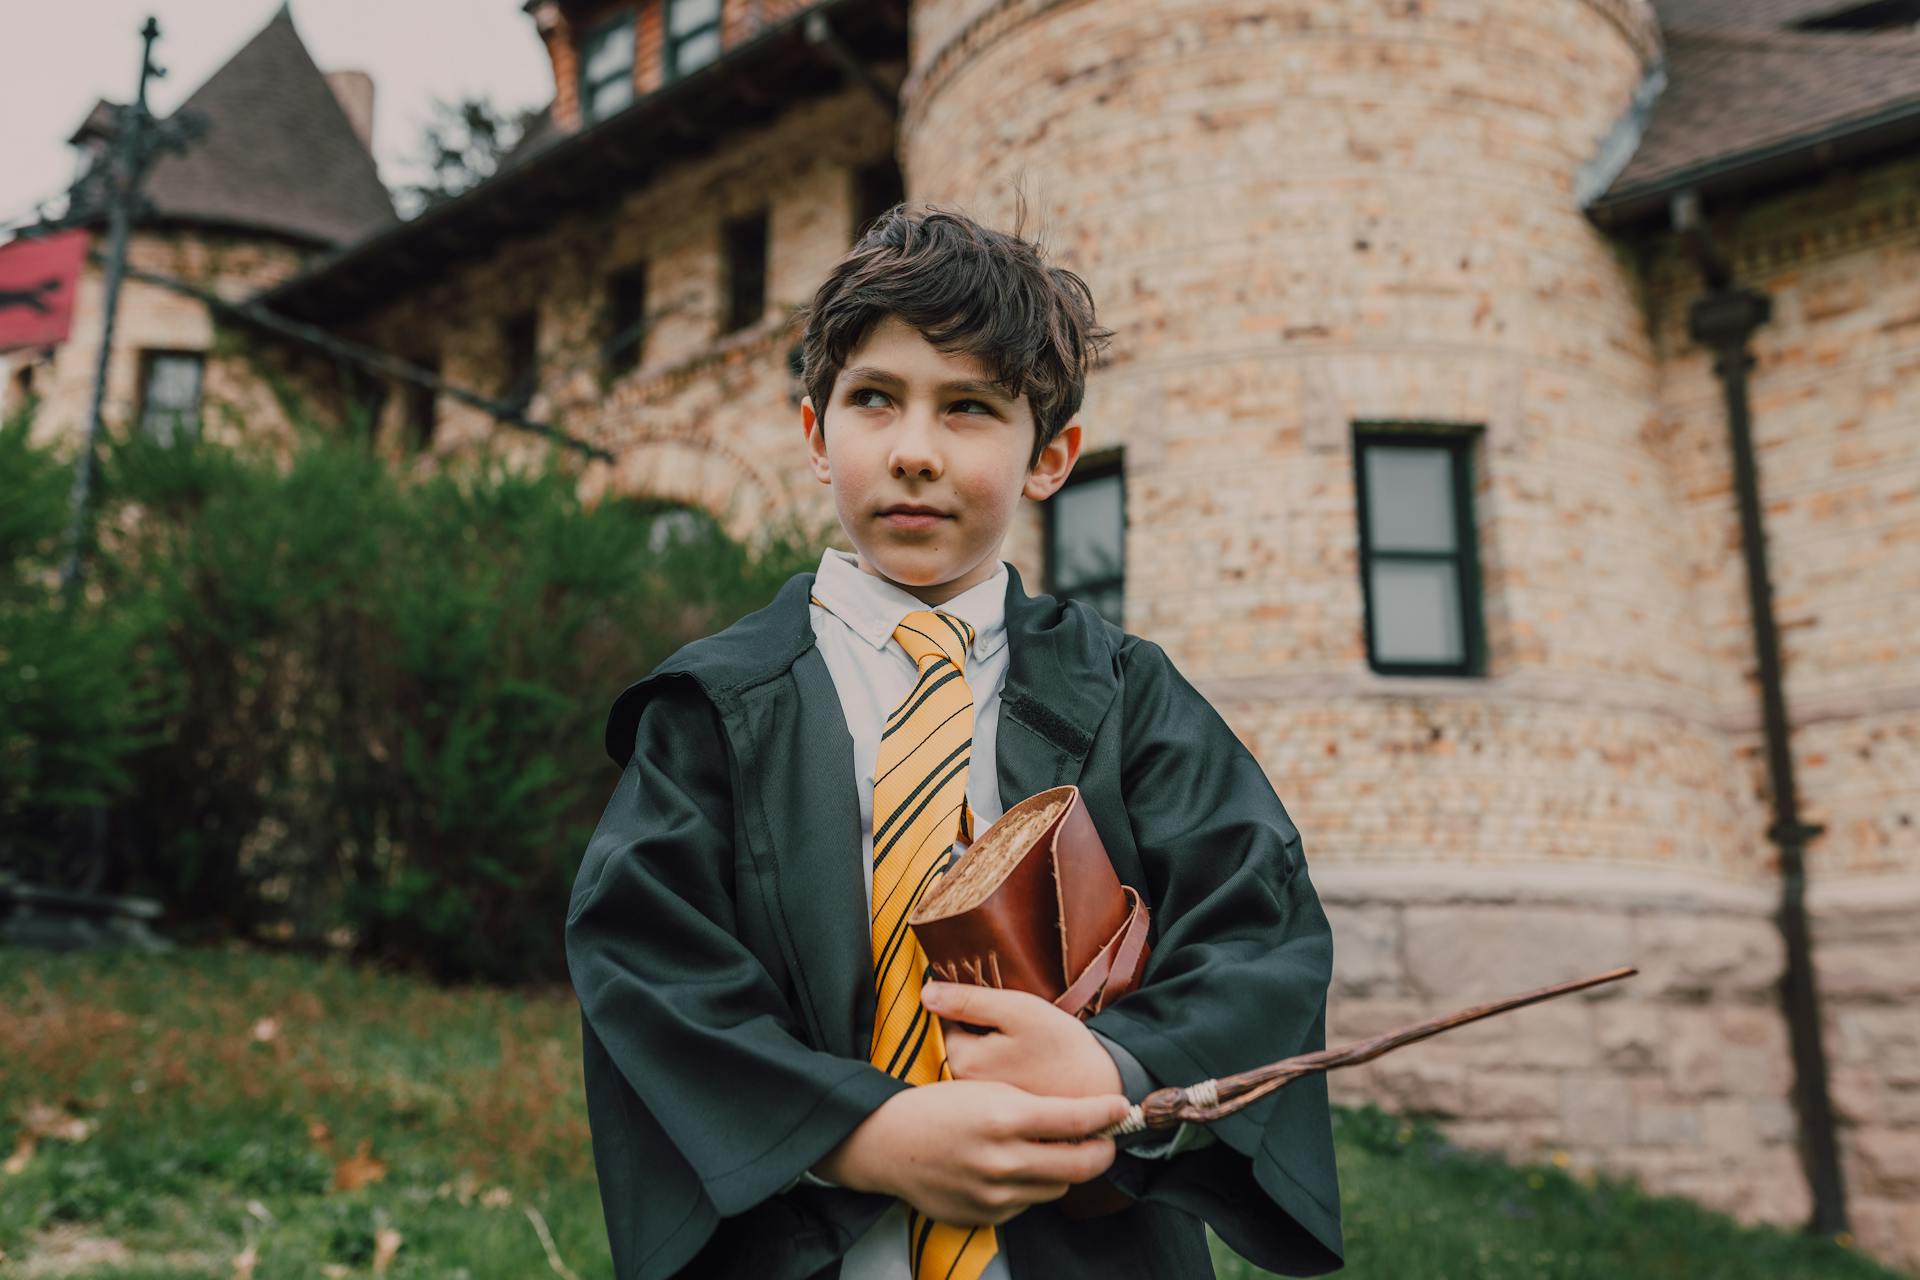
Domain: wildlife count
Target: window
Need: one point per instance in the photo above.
(170, 394)
(693, 35)
(746, 282)
(1419, 574)
(422, 403)
(1086, 537)
(606, 69)
(519, 339)
(877, 187)
(626, 321)
(364, 398)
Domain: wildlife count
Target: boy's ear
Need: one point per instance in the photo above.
(816, 440)
(1055, 464)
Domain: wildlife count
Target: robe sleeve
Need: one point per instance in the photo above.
(703, 1100)
(1242, 957)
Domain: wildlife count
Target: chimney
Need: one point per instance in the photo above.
(354, 89)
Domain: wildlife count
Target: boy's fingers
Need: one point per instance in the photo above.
(981, 1006)
(1067, 1162)
(1057, 1118)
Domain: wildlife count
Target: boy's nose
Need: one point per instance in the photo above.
(913, 448)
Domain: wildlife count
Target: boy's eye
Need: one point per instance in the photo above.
(858, 392)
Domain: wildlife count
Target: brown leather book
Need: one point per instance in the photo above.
(1033, 905)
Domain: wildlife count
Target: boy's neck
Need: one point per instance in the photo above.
(935, 594)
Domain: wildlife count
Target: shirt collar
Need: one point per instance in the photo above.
(872, 607)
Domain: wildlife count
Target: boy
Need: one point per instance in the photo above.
(776, 1089)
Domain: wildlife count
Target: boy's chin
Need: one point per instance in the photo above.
(914, 572)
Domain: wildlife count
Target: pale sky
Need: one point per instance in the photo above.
(54, 66)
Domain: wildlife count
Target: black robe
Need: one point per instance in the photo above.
(719, 944)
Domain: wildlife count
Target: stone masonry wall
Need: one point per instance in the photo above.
(152, 317)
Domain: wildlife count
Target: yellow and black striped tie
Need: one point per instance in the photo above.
(919, 809)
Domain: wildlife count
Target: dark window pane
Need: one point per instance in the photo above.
(1086, 541)
(170, 395)
(1089, 536)
(520, 343)
(1416, 612)
(746, 258)
(877, 187)
(422, 406)
(626, 319)
(1410, 498)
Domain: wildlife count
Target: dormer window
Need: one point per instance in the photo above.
(606, 69)
(693, 35)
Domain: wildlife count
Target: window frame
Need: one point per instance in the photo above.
(585, 89)
(1458, 441)
(1086, 471)
(148, 357)
(670, 45)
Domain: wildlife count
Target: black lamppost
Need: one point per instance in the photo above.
(75, 913)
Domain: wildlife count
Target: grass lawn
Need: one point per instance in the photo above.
(240, 1116)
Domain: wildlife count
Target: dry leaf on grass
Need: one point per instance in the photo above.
(336, 1270)
(37, 1121)
(265, 1030)
(386, 1243)
(245, 1261)
(359, 1169)
(496, 1198)
(44, 1121)
(319, 1134)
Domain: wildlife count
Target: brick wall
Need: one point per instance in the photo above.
(1835, 394)
(1304, 215)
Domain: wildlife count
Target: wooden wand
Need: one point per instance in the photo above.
(1211, 1099)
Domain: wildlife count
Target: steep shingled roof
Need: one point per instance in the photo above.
(279, 153)
(1746, 15)
(1751, 103)
(1732, 93)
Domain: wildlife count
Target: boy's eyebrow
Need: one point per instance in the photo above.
(969, 386)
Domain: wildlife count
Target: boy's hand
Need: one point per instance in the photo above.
(1020, 1040)
(973, 1152)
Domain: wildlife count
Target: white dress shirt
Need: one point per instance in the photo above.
(873, 673)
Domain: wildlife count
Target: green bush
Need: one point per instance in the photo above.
(342, 697)
(70, 709)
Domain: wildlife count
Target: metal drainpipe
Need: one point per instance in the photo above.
(1723, 320)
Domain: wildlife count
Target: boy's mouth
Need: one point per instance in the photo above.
(912, 515)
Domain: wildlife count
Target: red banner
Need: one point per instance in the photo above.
(37, 279)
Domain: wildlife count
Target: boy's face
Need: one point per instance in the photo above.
(915, 425)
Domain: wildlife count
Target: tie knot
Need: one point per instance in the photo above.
(927, 633)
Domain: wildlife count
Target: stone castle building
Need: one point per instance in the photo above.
(1446, 333)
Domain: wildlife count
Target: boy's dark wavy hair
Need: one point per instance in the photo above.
(967, 288)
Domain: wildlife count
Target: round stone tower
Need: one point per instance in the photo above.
(1310, 219)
